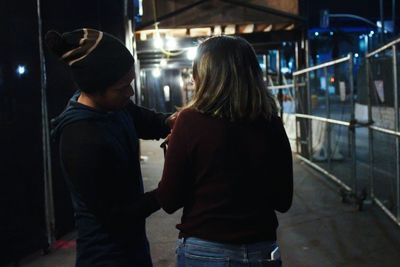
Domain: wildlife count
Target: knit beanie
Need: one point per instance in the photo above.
(97, 60)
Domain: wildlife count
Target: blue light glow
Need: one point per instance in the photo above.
(21, 70)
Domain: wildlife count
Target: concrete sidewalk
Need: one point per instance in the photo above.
(319, 230)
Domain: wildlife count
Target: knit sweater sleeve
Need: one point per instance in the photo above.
(149, 124)
(173, 187)
(86, 161)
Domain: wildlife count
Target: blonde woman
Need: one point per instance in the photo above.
(229, 162)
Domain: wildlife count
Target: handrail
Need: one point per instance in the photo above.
(273, 87)
(383, 130)
(323, 65)
(370, 54)
(305, 116)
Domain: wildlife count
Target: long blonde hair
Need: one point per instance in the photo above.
(228, 81)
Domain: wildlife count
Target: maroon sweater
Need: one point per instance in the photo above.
(229, 177)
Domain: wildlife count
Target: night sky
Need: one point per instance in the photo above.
(364, 8)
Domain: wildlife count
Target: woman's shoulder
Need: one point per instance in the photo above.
(192, 120)
(189, 114)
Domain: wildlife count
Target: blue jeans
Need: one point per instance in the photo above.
(195, 252)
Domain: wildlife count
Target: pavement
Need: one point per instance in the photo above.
(319, 230)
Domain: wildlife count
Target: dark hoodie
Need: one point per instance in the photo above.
(99, 153)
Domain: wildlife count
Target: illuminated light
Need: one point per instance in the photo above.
(156, 72)
(191, 53)
(140, 7)
(331, 33)
(158, 42)
(332, 79)
(143, 36)
(371, 32)
(217, 30)
(21, 70)
(167, 93)
(285, 70)
(317, 56)
(163, 62)
(316, 33)
(171, 43)
(356, 55)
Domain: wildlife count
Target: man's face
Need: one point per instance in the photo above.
(118, 95)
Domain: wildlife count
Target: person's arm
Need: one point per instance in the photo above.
(175, 182)
(86, 161)
(282, 187)
(149, 124)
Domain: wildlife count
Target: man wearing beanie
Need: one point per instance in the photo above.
(98, 141)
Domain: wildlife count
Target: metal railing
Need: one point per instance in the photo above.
(393, 213)
(383, 189)
(306, 120)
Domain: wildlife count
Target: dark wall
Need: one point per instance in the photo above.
(21, 189)
(22, 223)
(153, 96)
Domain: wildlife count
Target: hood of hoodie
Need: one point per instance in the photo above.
(73, 112)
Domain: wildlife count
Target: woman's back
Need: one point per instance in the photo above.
(228, 175)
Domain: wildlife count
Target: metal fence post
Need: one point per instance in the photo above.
(47, 172)
(309, 111)
(370, 131)
(396, 123)
(295, 88)
(328, 125)
(352, 128)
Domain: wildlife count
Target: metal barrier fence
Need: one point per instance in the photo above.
(324, 114)
(361, 153)
(381, 74)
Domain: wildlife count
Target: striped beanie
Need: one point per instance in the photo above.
(97, 59)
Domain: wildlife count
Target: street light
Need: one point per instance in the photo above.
(21, 70)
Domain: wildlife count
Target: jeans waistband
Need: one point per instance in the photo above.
(212, 244)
